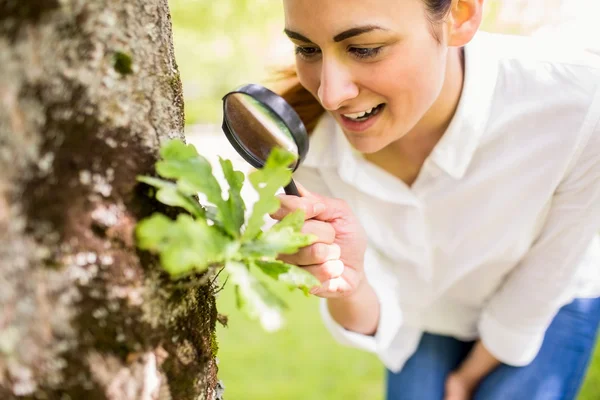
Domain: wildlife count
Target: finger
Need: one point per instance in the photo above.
(309, 206)
(308, 194)
(334, 208)
(326, 271)
(314, 254)
(321, 208)
(303, 191)
(322, 230)
(332, 288)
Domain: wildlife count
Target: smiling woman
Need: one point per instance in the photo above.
(468, 195)
(333, 63)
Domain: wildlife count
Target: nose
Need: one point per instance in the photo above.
(337, 85)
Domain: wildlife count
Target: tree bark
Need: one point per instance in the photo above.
(88, 91)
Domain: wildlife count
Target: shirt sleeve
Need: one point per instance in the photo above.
(514, 322)
(390, 314)
(382, 281)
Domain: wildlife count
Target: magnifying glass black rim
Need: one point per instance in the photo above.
(279, 107)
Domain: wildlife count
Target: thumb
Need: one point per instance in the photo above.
(304, 192)
(314, 205)
(326, 209)
(306, 202)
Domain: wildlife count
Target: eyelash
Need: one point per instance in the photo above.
(309, 53)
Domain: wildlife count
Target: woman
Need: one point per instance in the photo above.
(461, 245)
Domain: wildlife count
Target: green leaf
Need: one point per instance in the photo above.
(185, 245)
(194, 174)
(239, 300)
(177, 150)
(267, 181)
(169, 194)
(151, 232)
(283, 238)
(294, 221)
(235, 206)
(192, 171)
(255, 298)
(291, 275)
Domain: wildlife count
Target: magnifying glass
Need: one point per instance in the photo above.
(255, 120)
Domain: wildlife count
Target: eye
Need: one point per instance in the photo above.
(307, 52)
(365, 52)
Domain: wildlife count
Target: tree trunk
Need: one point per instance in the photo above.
(88, 91)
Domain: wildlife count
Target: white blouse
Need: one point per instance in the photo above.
(500, 228)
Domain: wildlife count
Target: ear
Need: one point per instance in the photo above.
(464, 21)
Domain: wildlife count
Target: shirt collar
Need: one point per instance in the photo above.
(455, 150)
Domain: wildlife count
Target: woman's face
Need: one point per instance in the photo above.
(368, 55)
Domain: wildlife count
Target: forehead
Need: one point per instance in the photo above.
(330, 16)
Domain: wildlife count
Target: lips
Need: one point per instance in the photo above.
(362, 122)
(364, 115)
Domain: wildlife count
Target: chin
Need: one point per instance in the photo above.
(365, 144)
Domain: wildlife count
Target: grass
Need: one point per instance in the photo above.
(591, 387)
(303, 362)
(300, 362)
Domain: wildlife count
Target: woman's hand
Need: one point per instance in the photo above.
(458, 387)
(336, 258)
(462, 383)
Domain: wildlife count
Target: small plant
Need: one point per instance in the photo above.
(217, 235)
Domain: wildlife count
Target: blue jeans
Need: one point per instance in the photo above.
(557, 372)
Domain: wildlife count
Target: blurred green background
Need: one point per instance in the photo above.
(223, 44)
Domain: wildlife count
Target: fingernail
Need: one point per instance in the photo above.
(319, 208)
(314, 290)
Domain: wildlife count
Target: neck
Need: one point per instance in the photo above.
(413, 149)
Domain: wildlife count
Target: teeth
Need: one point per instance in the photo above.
(360, 114)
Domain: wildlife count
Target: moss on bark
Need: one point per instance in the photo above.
(84, 314)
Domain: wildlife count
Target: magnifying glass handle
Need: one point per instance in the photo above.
(291, 189)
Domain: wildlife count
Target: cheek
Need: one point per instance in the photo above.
(417, 78)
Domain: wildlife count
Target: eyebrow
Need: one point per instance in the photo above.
(297, 36)
(356, 31)
(347, 34)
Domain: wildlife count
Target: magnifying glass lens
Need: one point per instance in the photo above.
(256, 128)
(256, 120)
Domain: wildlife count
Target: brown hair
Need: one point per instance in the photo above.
(308, 108)
(288, 86)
